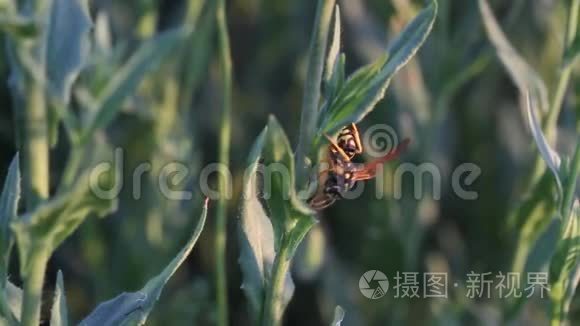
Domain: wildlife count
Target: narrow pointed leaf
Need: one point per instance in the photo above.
(280, 214)
(567, 252)
(331, 71)
(574, 278)
(134, 308)
(126, 80)
(334, 49)
(8, 210)
(550, 156)
(67, 45)
(59, 312)
(338, 316)
(11, 304)
(523, 75)
(256, 235)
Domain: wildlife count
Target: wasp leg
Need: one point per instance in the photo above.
(321, 203)
(337, 148)
(356, 135)
(362, 175)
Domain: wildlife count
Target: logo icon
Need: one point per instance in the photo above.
(373, 284)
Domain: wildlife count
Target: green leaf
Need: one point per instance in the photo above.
(367, 86)
(256, 235)
(524, 76)
(13, 300)
(283, 215)
(550, 156)
(45, 228)
(331, 70)
(572, 52)
(102, 35)
(134, 308)
(564, 266)
(285, 208)
(334, 50)
(18, 26)
(574, 276)
(8, 210)
(338, 316)
(67, 45)
(67, 50)
(125, 81)
(567, 250)
(59, 312)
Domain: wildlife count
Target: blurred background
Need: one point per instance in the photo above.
(454, 100)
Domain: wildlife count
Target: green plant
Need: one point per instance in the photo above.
(270, 233)
(224, 157)
(546, 200)
(48, 44)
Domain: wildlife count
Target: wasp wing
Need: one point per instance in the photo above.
(369, 170)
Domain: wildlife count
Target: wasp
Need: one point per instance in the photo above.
(343, 174)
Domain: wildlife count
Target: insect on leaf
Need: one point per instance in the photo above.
(134, 308)
(366, 87)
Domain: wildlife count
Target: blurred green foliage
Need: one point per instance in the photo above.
(454, 100)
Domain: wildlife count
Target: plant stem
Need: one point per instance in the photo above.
(35, 162)
(34, 146)
(33, 281)
(551, 119)
(312, 86)
(273, 306)
(557, 297)
(72, 167)
(224, 153)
